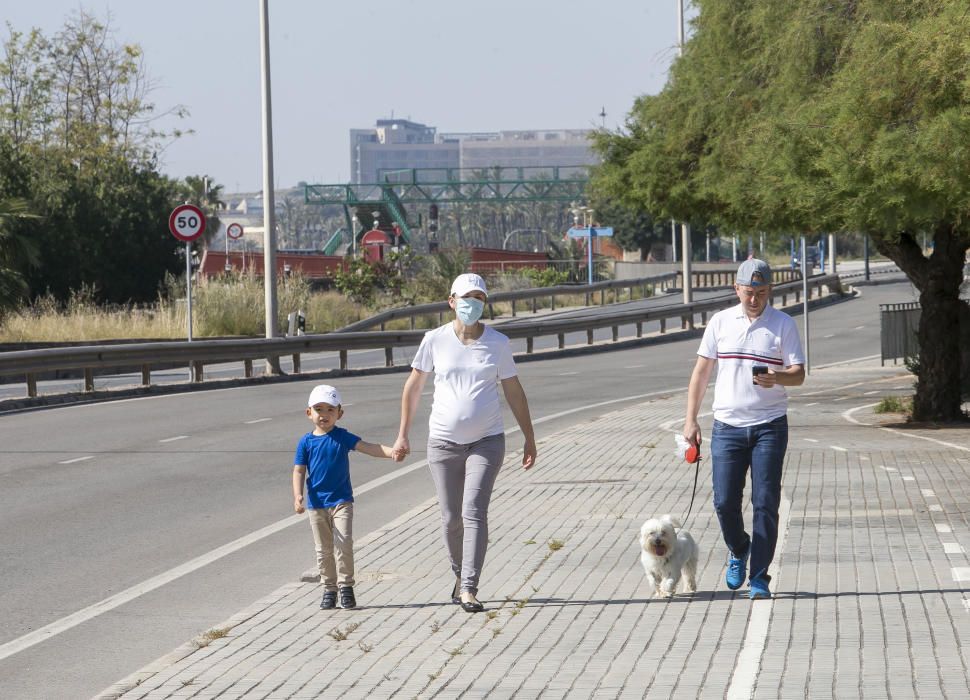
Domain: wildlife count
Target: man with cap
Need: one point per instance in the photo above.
(758, 353)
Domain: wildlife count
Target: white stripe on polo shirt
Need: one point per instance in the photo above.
(738, 344)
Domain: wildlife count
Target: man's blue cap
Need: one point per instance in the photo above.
(753, 273)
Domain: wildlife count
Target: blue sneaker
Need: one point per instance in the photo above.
(759, 589)
(736, 570)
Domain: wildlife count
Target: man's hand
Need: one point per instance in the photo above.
(298, 504)
(692, 433)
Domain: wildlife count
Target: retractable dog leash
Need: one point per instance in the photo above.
(693, 456)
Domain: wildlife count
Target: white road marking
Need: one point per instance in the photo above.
(173, 439)
(870, 393)
(960, 573)
(953, 548)
(840, 449)
(77, 459)
(48, 631)
(814, 403)
(847, 415)
(966, 604)
(928, 493)
(940, 527)
(830, 335)
(936, 508)
(909, 478)
(567, 374)
(749, 660)
(842, 398)
(809, 439)
(634, 367)
(858, 328)
(888, 469)
(258, 420)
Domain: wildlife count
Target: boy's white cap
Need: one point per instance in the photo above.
(324, 393)
(468, 282)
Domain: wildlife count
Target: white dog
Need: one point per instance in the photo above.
(667, 552)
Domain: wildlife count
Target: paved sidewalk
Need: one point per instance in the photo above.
(871, 579)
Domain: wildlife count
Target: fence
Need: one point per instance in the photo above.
(145, 356)
(898, 327)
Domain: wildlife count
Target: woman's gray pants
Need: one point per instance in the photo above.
(463, 477)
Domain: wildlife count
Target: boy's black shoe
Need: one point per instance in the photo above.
(329, 601)
(347, 599)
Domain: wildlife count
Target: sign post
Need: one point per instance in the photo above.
(590, 232)
(187, 222)
(233, 231)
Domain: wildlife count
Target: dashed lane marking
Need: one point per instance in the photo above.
(257, 420)
(173, 439)
(940, 527)
(76, 460)
(953, 548)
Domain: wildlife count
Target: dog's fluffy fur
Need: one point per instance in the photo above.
(667, 553)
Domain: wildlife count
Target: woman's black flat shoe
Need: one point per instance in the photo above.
(456, 592)
(472, 607)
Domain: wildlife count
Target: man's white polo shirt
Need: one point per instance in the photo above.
(737, 344)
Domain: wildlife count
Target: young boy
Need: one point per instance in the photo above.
(322, 462)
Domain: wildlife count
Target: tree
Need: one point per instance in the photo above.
(817, 116)
(77, 142)
(202, 191)
(17, 251)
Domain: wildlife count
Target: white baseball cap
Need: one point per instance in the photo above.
(324, 393)
(468, 282)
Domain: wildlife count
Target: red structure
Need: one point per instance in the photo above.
(310, 265)
(498, 260)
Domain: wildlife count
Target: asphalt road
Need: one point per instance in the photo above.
(100, 499)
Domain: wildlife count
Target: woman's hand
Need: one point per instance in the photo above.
(401, 448)
(529, 453)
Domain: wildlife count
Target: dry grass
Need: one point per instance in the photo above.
(221, 307)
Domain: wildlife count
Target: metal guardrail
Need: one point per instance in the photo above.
(197, 354)
(701, 279)
(663, 282)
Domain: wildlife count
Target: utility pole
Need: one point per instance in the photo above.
(685, 246)
(269, 198)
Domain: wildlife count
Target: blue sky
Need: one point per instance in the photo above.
(453, 64)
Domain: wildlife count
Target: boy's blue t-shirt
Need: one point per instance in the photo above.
(327, 467)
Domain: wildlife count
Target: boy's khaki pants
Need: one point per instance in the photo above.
(333, 535)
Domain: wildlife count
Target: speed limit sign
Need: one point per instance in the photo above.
(186, 222)
(234, 231)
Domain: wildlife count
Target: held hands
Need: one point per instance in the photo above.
(401, 449)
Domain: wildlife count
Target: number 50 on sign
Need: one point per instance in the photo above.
(186, 222)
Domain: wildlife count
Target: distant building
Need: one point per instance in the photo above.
(399, 144)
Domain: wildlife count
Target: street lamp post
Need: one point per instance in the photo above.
(269, 198)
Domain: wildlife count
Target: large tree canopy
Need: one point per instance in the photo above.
(821, 115)
(78, 144)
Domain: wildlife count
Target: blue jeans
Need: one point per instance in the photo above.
(761, 447)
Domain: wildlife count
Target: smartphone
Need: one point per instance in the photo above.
(758, 369)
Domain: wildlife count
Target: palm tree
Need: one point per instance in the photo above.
(17, 252)
(206, 195)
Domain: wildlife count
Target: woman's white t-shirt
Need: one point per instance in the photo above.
(466, 404)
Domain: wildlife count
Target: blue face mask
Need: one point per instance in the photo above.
(469, 309)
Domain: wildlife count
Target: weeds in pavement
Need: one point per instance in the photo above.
(342, 634)
(206, 638)
(556, 545)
